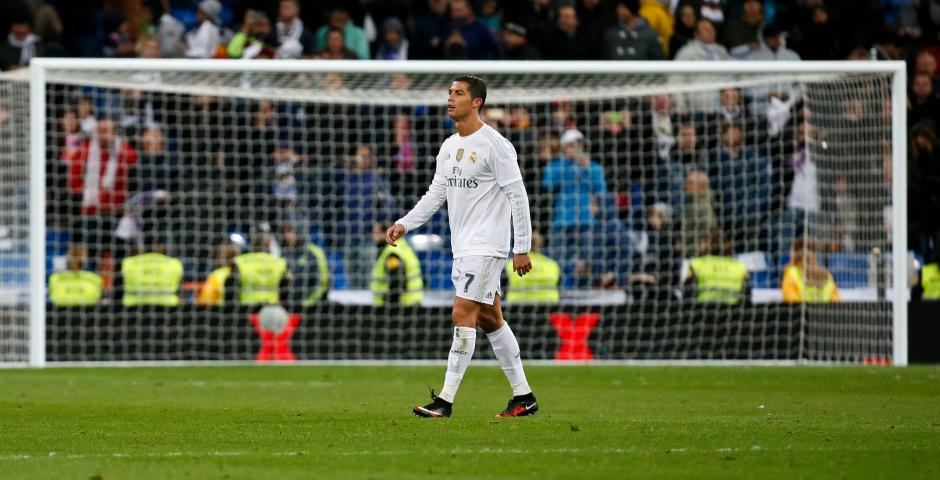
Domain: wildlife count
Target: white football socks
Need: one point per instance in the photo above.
(465, 339)
(506, 349)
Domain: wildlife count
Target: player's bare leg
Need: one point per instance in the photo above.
(507, 352)
(464, 316)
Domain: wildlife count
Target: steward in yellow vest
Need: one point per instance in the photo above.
(717, 278)
(396, 276)
(75, 287)
(927, 286)
(213, 290)
(804, 279)
(150, 279)
(540, 285)
(258, 277)
(311, 276)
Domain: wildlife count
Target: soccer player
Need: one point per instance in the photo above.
(478, 174)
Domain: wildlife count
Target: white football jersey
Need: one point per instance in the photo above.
(473, 168)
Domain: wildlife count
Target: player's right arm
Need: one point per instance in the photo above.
(422, 211)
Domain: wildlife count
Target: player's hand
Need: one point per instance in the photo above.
(521, 264)
(394, 233)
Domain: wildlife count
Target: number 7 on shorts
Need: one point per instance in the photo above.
(470, 277)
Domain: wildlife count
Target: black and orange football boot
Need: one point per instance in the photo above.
(520, 406)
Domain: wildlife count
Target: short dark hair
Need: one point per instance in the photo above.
(476, 86)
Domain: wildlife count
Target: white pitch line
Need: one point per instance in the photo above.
(468, 451)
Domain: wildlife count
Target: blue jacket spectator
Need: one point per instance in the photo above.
(355, 37)
(576, 180)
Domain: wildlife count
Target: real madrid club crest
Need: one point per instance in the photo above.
(473, 156)
(459, 154)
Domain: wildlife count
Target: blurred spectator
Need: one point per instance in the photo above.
(75, 287)
(686, 19)
(660, 19)
(804, 279)
(814, 39)
(803, 199)
(843, 219)
(565, 41)
(395, 277)
(170, 33)
(741, 35)
(674, 163)
(20, 47)
(713, 11)
(98, 177)
(430, 31)
(479, 40)
(142, 210)
(490, 15)
(543, 286)
(922, 103)
(394, 45)
(212, 292)
(47, 23)
(516, 44)
(632, 38)
(284, 188)
(120, 43)
(732, 109)
(773, 47)
(307, 262)
(354, 37)
(404, 145)
(715, 276)
(336, 47)
(699, 219)
(206, 38)
(925, 62)
(703, 46)
(656, 273)
(258, 277)
(577, 182)
(924, 191)
(594, 18)
(744, 183)
(292, 34)
(254, 40)
(150, 277)
(366, 199)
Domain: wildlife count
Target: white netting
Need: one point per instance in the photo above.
(675, 166)
(14, 220)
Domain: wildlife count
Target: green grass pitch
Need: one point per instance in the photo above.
(256, 422)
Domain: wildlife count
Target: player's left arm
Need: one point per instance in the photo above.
(509, 178)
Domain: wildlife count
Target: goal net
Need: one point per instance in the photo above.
(673, 199)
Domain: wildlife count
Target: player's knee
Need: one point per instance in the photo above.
(464, 315)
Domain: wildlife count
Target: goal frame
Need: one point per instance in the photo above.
(39, 68)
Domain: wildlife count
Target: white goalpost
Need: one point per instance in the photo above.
(677, 158)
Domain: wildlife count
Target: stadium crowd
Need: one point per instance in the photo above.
(647, 181)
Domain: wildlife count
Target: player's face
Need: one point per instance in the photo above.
(459, 103)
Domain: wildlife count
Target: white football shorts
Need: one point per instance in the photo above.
(477, 278)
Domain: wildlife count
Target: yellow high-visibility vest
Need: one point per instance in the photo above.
(414, 285)
(539, 285)
(260, 275)
(719, 279)
(828, 293)
(213, 292)
(75, 288)
(151, 279)
(930, 281)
